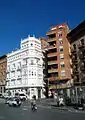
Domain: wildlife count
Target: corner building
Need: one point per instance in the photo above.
(25, 70)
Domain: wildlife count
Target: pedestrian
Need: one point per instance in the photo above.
(55, 97)
(33, 102)
(61, 101)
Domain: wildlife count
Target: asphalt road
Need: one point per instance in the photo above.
(43, 113)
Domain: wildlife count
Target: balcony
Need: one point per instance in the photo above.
(13, 78)
(81, 46)
(76, 80)
(74, 59)
(53, 78)
(24, 65)
(52, 70)
(18, 68)
(82, 77)
(52, 54)
(51, 47)
(51, 40)
(19, 77)
(51, 32)
(82, 57)
(73, 51)
(75, 72)
(58, 86)
(13, 69)
(52, 62)
(7, 79)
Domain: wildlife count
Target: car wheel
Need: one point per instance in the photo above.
(19, 105)
(23, 99)
(9, 105)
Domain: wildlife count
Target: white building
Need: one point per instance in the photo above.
(25, 68)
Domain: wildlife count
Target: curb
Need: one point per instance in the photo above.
(58, 108)
(67, 109)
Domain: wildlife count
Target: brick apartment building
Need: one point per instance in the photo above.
(59, 70)
(3, 65)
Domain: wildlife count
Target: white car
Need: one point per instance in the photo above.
(22, 96)
(14, 102)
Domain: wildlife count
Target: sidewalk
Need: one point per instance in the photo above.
(53, 104)
(2, 100)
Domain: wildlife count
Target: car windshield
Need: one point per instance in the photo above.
(10, 99)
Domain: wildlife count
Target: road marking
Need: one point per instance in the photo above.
(25, 106)
(24, 109)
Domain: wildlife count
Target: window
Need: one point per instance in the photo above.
(82, 41)
(13, 65)
(31, 62)
(62, 73)
(61, 48)
(4, 89)
(35, 74)
(19, 64)
(32, 72)
(24, 61)
(18, 73)
(1, 89)
(61, 56)
(24, 46)
(13, 74)
(60, 42)
(19, 81)
(31, 44)
(60, 35)
(62, 65)
(74, 46)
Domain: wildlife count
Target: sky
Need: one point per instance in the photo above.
(19, 18)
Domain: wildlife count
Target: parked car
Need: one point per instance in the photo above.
(1, 95)
(14, 102)
(22, 96)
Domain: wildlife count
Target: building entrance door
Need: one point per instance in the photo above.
(39, 92)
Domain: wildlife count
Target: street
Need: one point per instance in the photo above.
(43, 113)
